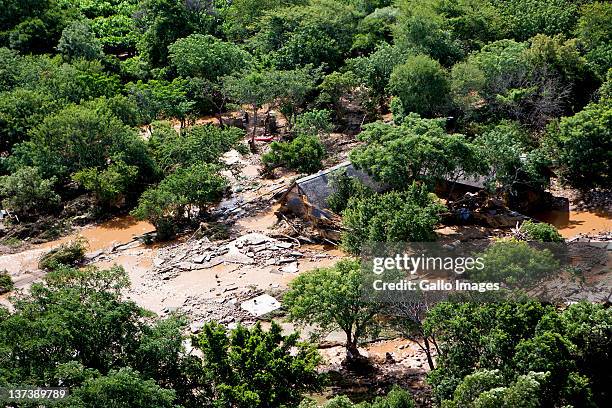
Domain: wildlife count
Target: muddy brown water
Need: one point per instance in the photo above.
(571, 223)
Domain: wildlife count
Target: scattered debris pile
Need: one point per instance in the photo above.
(481, 209)
(249, 249)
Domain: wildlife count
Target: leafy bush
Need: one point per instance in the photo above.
(540, 231)
(304, 153)
(6, 282)
(198, 144)
(582, 144)
(71, 253)
(418, 150)
(108, 185)
(315, 122)
(178, 195)
(515, 263)
(391, 217)
(257, 368)
(27, 192)
(422, 86)
(343, 187)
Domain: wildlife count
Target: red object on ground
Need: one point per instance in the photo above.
(264, 139)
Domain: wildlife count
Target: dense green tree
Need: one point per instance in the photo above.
(419, 149)
(518, 337)
(162, 22)
(396, 398)
(27, 193)
(185, 192)
(6, 282)
(20, 110)
(109, 185)
(374, 70)
(514, 163)
(77, 138)
(516, 264)
(304, 153)
(254, 368)
(540, 231)
(196, 144)
(161, 99)
(582, 144)
(320, 32)
(333, 298)
(391, 217)
(342, 187)
(79, 41)
(207, 57)
(421, 30)
(595, 31)
(375, 28)
(123, 388)
(421, 85)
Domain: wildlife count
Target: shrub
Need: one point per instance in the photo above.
(343, 187)
(6, 283)
(178, 195)
(391, 217)
(515, 263)
(540, 231)
(71, 253)
(421, 85)
(26, 191)
(304, 153)
(108, 185)
(315, 122)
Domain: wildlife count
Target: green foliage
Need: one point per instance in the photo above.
(582, 145)
(108, 185)
(375, 28)
(20, 110)
(123, 388)
(161, 99)
(320, 32)
(315, 122)
(252, 368)
(396, 398)
(78, 41)
(196, 144)
(27, 192)
(374, 70)
(391, 217)
(77, 138)
(332, 298)
(513, 162)
(207, 57)
(304, 154)
(420, 30)
(6, 282)
(165, 21)
(68, 254)
(343, 187)
(421, 85)
(516, 263)
(520, 339)
(540, 231)
(419, 149)
(186, 191)
(75, 330)
(594, 31)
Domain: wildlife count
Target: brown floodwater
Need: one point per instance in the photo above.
(571, 223)
(121, 229)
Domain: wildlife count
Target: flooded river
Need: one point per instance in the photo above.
(571, 223)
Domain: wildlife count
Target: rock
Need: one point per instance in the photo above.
(285, 260)
(290, 268)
